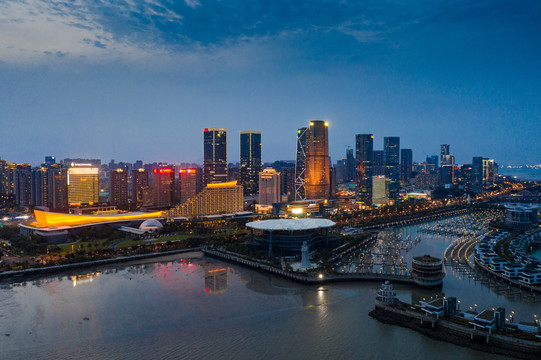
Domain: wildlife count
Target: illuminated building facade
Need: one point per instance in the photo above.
(392, 167)
(269, 187)
(406, 165)
(364, 157)
(163, 187)
(379, 190)
(250, 161)
(83, 184)
(214, 199)
(317, 180)
(40, 186)
(300, 164)
(214, 155)
(118, 191)
(483, 173)
(139, 186)
(432, 164)
(189, 183)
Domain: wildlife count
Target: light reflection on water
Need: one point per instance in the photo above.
(192, 306)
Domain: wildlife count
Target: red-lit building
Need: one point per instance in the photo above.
(163, 187)
(189, 183)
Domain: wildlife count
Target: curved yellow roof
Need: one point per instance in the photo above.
(50, 219)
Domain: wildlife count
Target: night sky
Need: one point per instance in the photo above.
(129, 80)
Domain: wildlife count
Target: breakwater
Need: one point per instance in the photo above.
(419, 219)
(85, 264)
(457, 334)
(307, 278)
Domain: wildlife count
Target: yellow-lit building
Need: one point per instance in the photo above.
(83, 184)
(215, 199)
(317, 180)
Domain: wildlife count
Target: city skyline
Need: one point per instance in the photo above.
(81, 80)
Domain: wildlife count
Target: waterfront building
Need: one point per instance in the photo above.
(317, 174)
(214, 199)
(379, 163)
(484, 173)
(392, 168)
(189, 183)
(269, 187)
(521, 217)
(406, 165)
(364, 157)
(286, 236)
(427, 271)
(163, 187)
(250, 161)
(300, 164)
(214, 155)
(140, 183)
(379, 190)
(386, 295)
(118, 187)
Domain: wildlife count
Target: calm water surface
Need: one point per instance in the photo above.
(195, 307)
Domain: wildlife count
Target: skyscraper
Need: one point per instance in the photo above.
(477, 174)
(364, 157)
(140, 183)
(317, 174)
(118, 188)
(22, 182)
(300, 164)
(269, 187)
(379, 163)
(83, 185)
(406, 165)
(163, 186)
(214, 155)
(432, 164)
(392, 169)
(250, 161)
(445, 157)
(57, 187)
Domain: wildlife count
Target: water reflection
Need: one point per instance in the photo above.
(215, 278)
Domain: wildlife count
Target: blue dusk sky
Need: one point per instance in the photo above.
(129, 79)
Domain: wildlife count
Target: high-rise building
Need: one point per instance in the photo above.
(118, 190)
(364, 156)
(392, 167)
(269, 187)
(189, 183)
(83, 184)
(163, 186)
(477, 174)
(50, 160)
(250, 161)
(57, 187)
(379, 163)
(214, 155)
(22, 185)
(447, 174)
(432, 164)
(406, 165)
(300, 164)
(39, 186)
(445, 156)
(287, 182)
(317, 180)
(380, 193)
(350, 171)
(140, 182)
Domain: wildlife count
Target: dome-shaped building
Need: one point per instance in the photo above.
(150, 225)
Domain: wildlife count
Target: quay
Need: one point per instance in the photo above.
(439, 320)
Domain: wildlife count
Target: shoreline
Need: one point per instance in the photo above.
(23, 274)
(460, 335)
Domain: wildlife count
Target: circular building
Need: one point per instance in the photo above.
(150, 225)
(286, 236)
(521, 217)
(427, 271)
